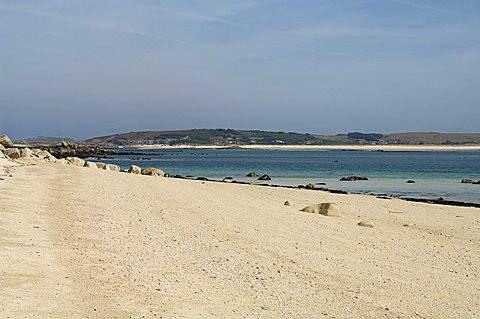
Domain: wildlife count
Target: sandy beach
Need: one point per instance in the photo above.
(391, 148)
(87, 243)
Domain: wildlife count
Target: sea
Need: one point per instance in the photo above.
(437, 174)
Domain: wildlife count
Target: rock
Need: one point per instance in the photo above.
(310, 186)
(287, 203)
(2, 155)
(363, 223)
(228, 177)
(90, 164)
(264, 178)
(45, 155)
(26, 152)
(75, 161)
(252, 174)
(102, 166)
(202, 178)
(152, 171)
(476, 183)
(325, 209)
(321, 183)
(12, 153)
(467, 181)
(410, 181)
(134, 169)
(114, 167)
(227, 180)
(2, 148)
(63, 161)
(353, 179)
(408, 225)
(5, 141)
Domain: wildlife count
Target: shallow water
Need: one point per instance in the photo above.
(436, 174)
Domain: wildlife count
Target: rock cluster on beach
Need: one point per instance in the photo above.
(8, 150)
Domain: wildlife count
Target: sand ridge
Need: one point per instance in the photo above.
(87, 243)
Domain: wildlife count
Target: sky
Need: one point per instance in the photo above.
(84, 68)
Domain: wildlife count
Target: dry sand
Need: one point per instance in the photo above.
(83, 243)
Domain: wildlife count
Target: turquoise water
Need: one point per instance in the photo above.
(437, 174)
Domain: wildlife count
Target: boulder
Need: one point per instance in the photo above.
(26, 152)
(45, 155)
(287, 203)
(75, 161)
(63, 161)
(114, 167)
(252, 174)
(90, 165)
(13, 153)
(102, 165)
(353, 179)
(467, 181)
(364, 223)
(134, 169)
(476, 183)
(325, 209)
(264, 178)
(5, 141)
(410, 181)
(152, 171)
(310, 186)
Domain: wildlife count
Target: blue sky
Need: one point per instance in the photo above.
(83, 68)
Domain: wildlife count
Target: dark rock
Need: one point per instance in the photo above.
(320, 183)
(353, 179)
(252, 174)
(202, 179)
(476, 183)
(287, 203)
(467, 181)
(410, 181)
(264, 177)
(310, 186)
(228, 177)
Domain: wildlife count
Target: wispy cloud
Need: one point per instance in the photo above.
(89, 23)
(424, 6)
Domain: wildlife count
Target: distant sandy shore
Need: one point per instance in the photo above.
(87, 243)
(325, 147)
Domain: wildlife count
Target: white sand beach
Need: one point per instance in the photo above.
(87, 243)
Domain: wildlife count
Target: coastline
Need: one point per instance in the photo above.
(386, 148)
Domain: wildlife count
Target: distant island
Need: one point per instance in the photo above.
(230, 137)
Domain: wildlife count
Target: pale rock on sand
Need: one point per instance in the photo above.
(134, 169)
(45, 155)
(5, 141)
(364, 223)
(152, 171)
(26, 152)
(90, 165)
(75, 161)
(2, 148)
(2, 155)
(63, 161)
(13, 153)
(101, 165)
(114, 167)
(325, 209)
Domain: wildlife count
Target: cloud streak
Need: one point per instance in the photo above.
(92, 24)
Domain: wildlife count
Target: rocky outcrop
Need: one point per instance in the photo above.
(467, 181)
(13, 153)
(252, 174)
(134, 169)
(310, 186)
(152, 171)
(103, 166)
(353, 178)
(5, 141)
(70, 149)
(264, 177)
(325, 209)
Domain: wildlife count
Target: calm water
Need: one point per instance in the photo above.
(437, 174)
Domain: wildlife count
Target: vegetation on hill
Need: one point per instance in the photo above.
(255, 137)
